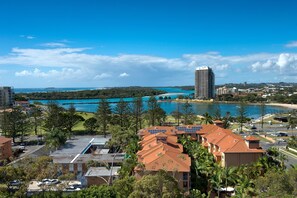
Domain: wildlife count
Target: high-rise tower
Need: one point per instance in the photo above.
(204, 83)
(6, 96)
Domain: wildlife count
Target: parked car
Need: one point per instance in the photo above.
(15, 183)
(282, 134)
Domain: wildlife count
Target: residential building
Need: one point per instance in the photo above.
(101, 175)
(6, 97)
(229, 149)
(5, 148)
(78, 152)
(204, 83)
(160, 151)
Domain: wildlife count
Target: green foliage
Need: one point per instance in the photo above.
(55, 138)
(194, 193)
(119, 92)
(124, 186)
(103, 115)
(71, 118)
(121, 137)
(137, 113)
(36, 115)
(102, 191)
(54, 117)
(91, 124)
(292, 142)
(152, 110)
(15, 123)
(207, 119)
(188, 113)
(158, 185)
(123, 110)
(177, 114)
(277, 184)
(241, 118)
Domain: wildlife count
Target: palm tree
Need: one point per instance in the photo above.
(244, 187)
(216, 180)
(207, 119)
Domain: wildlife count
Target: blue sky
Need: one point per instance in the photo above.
(55, 43)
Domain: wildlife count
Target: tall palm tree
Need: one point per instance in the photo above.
(207, 119)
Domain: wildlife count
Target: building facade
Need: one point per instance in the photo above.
(5, 148)
(160, 151)
(6, 97)
(228, 149)
(204, 83)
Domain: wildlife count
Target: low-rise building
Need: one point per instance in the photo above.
(229, 149)
(5, 148)
(101, 175)
(161, 151)
(77, 155)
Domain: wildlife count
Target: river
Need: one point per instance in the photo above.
(91, 105)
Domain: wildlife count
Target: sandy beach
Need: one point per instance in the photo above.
(290, 106)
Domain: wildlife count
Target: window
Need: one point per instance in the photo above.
(185, 184)
(71, 169)
(185, 176)
(79, 167)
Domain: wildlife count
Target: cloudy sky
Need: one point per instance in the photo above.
(76, 43)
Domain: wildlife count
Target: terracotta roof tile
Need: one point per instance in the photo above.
(252, 138)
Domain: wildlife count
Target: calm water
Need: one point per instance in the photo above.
(199, 108)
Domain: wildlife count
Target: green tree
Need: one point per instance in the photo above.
(137, 112)
(158, 185)
(152, 110)
(91, 124)
(36, 114)
(188, 113)
(122, 110)
(207, 119)
(177, 114)
(16, 123)
(120, 137)
(241, 111)
(124, 187)
(102, 191)
(55, 138)
(160, 116)
(103, 115)
(54, 117)
(71, 118)
(262, 113)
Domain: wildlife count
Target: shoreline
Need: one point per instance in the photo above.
(289, 106)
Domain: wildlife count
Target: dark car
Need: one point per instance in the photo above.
(282, 134)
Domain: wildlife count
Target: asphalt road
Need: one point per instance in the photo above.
(291, 158)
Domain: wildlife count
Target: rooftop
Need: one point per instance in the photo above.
(78, 150)
(102, 171)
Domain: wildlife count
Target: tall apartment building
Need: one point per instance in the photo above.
(6, 96)
(204, 83)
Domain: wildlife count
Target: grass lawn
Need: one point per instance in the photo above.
(80, 126)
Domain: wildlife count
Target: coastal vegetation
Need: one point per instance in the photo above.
(118, 92)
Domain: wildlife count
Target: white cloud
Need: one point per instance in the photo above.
(285, 64)
(124, 75)
(64, 73)
(77, 63)
(291, 44)
(102, 76)
(53, 44)
(28, 37)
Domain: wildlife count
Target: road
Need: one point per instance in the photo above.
(291, 158)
